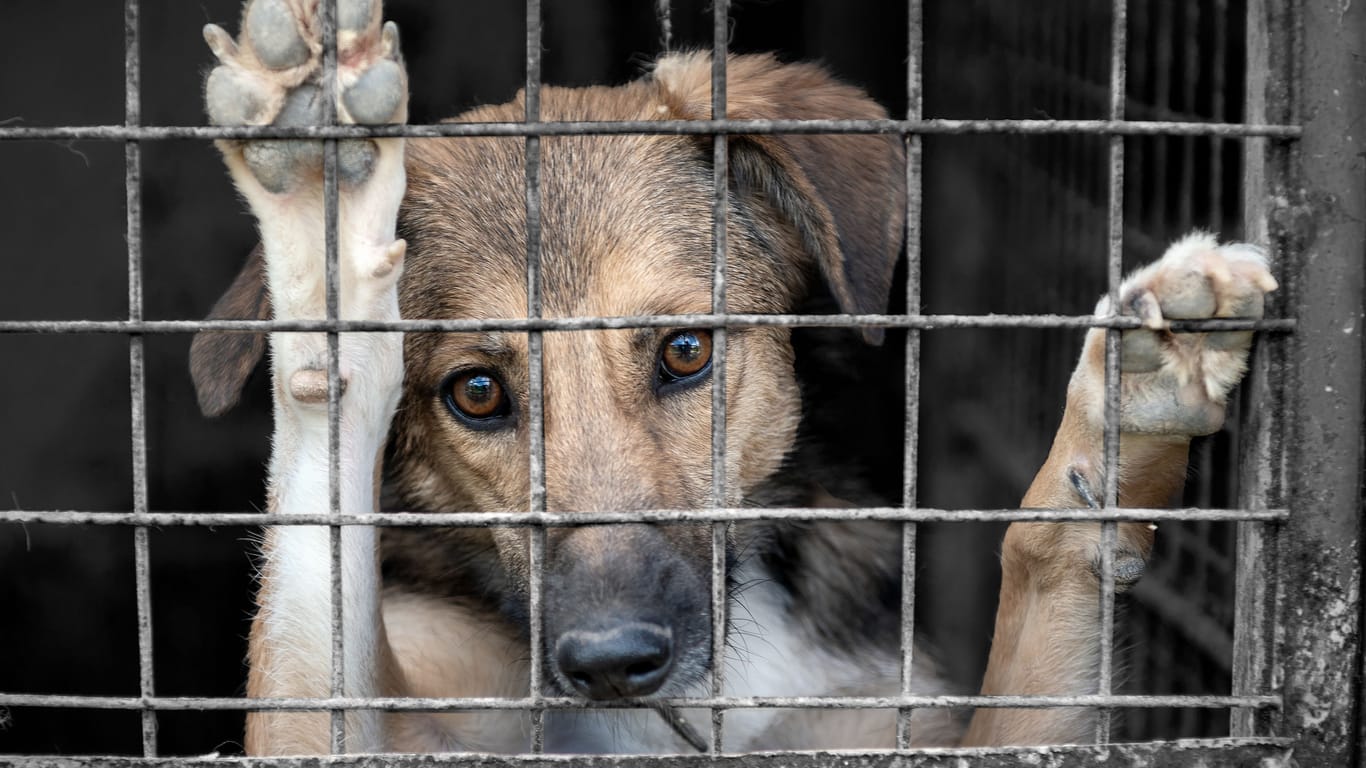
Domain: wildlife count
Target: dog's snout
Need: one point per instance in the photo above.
(626, 661)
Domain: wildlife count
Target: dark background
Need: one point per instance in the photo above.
(1011, 224)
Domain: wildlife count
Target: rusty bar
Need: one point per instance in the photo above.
(389, 704)
(720, 594)
(1264, 448)
(137, 370)
(535, 377)
(1207, 753)
(652, 127)
(919, 322)
(337, 681)
(915, 45)
(571, 518)
(1111, 436)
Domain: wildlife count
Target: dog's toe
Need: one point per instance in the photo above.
(376, 95)
(232, 99)
(355, 15)
(273, 33)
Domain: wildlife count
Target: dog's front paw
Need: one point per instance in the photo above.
(272, 75)
(1177, 383)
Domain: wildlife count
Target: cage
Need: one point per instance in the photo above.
(128, 583)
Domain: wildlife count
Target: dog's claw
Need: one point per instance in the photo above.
(220, 42)
(390, 41)
(391, 259)
(375, 96)
(274, 35)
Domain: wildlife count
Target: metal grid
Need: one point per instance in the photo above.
(1265, 527)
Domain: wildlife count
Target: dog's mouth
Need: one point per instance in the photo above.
(632, 662)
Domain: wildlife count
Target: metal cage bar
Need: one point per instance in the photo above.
(332, 298)
(536, 381)
(916, 322)
(915, 47)
(137, 370)
(726, 514)
(720, 180)
(1110, 438)
(936, 126)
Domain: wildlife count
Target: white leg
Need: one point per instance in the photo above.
(271, 75)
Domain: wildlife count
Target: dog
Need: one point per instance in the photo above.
(437, 228)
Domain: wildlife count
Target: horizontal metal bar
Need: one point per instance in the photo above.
(734, 514)
(1209, 753)
(918, 322)
(652, 127)
(192, 703)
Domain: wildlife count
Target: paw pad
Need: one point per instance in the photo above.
(1177, 383)
(274, 35)
(273, 78)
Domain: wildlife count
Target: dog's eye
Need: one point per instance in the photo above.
(685, 357)
(477, 397)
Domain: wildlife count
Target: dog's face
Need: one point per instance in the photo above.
(626, 229)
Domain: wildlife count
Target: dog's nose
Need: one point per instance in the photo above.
(622, 662)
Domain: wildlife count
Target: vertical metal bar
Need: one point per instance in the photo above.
(137, 371)
(1194, 61)
(1219, 59)
(664, 10)
(1114, 276)
(535, 378)
(1319, 223)
(720, 210)
(328, 11)
(911, 439)
(1264, 446)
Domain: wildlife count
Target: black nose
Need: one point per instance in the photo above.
(622, 662)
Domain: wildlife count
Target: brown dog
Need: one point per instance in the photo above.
(627, 230)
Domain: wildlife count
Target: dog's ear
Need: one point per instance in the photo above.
(222, 361)
(844, 194)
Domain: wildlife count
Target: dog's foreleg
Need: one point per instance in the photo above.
(272, 75)
(1173, 387)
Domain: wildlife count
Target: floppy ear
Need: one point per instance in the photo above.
(844, 194)
(222, 361)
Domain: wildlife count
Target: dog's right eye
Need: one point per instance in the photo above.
(477, 398)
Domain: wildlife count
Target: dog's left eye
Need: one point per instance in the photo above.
(477, 398)
(684, 358)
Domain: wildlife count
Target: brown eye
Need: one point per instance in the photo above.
(685, 356)
(477, 397)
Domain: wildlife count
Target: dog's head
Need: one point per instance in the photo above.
(626, 229)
